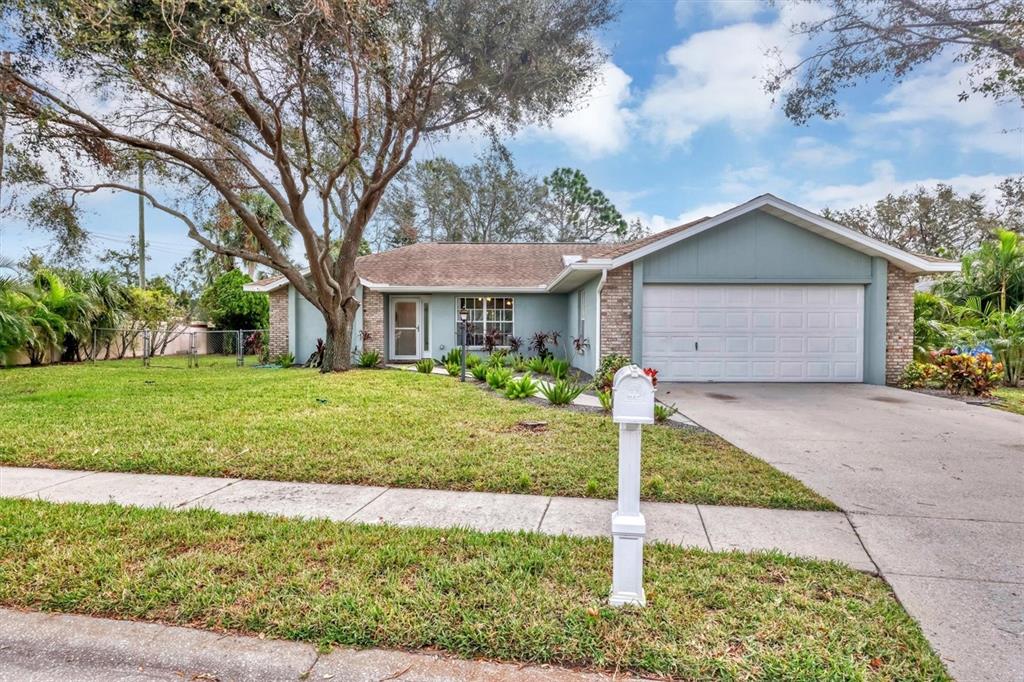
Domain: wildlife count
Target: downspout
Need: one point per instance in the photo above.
(597, 322)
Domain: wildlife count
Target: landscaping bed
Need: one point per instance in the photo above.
(372, 427)
(512, 597)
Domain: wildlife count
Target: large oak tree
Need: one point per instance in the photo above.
(318, 104)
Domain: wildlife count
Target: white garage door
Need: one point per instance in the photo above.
(754, 332)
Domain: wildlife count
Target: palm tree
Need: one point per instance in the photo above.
(230, 231)
(14, 301)
(56, 312)
(997, 269)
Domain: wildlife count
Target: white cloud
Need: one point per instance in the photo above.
(932, 97)
(601, 125)
(719, 11)
(716, 79)
(883, 182)
(660, 223)
(813, 153)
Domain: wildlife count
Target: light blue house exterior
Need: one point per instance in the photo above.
(766, 291)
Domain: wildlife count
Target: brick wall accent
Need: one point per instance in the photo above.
(373, 321)
(278, 321)
(617, 312)
(899, 323)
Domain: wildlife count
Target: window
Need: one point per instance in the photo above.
(490, 313)
(581, 315)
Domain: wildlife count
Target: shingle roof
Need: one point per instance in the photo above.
(477, 265)
(622, 248)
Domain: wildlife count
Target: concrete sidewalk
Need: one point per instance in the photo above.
(819, 535)
(40, 647)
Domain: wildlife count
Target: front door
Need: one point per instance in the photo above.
(406, 323)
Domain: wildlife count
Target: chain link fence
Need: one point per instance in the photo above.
(182, 347)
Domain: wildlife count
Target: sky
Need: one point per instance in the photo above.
(679, 127)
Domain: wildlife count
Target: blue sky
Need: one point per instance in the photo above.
(679, 127)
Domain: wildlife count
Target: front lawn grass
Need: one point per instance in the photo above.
(371, 427)
(1011, 400)
(514, 597)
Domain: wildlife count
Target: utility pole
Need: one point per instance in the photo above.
(3, 134)
(142, 225)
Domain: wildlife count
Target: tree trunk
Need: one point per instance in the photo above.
(338, 346)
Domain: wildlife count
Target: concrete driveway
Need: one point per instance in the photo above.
(934, 488)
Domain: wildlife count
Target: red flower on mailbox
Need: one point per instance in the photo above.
(653, 374)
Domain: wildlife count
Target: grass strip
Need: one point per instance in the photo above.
(504, 596)
(369, 427)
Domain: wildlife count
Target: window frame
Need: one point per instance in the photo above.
(483, 298)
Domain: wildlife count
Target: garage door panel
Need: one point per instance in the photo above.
(754, 332)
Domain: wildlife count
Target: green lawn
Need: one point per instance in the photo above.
(515, 597)
(1012, 399)
(381, 427)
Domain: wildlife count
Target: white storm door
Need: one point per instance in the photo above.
(756, 332)
(406, 323)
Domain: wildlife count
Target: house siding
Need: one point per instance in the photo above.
(587, 360)
(279, 322)
(899, 323)
(617, 312)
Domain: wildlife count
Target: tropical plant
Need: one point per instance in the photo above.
(472, 360)
(562, 392)
(966, 373)
(514, 344)
(368, 359)
(55, 312)
(653, 374)
(538, 365)
(662, 412)
(559, 369)
(580, 344)
(539, 344)
(604, 396)
(425, 365)
(453, 368)
(498, 377)
(519, 363)
(316, 358)
(523, 387)
(480, 371)
(285, 360)
(605, 375)
(498, 358)
(453, 355)
(920, 375)
(492, 340)
(996, 270)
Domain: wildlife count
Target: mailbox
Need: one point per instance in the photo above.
(633, 397)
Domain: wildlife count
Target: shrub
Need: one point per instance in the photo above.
(962, 373)
(472, 360)
(425, 366)
(229, 306)
(480, 371)
(453, 355)
(539, 344)
(453, 368)
(519, 363)
(605, 374)
(497, 377)
(605, 397)
(559, 369)
(663, 412)
(562, 392)
(919, 375)
(368, 359)
(523, 387)
(514, 343)
(285, 359)
(498, 359)
(538, 365)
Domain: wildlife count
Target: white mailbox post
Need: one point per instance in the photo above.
(632, 405)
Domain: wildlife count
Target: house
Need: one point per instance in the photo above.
(766, 291)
